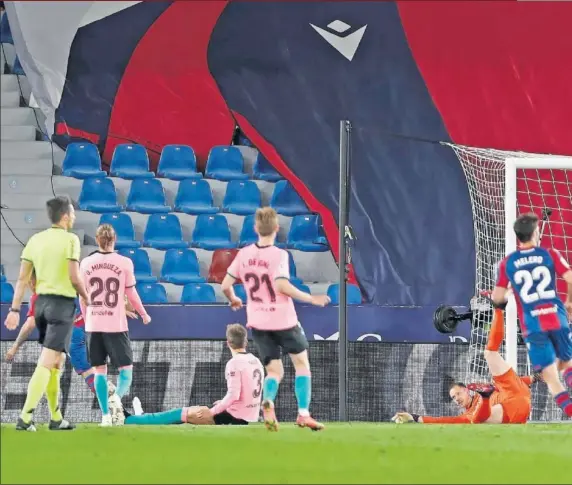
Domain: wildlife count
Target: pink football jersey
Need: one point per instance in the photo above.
(259, 267)
(244, 377)
(106, 276)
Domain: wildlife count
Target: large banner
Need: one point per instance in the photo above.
(382, 379)
(365, 323)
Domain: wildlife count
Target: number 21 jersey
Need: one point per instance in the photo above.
(532, 275)
(259, 267)
(106, 276)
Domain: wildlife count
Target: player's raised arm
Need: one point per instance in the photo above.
(563, 270)
(283, 285)
(228, 282)
(499, 295)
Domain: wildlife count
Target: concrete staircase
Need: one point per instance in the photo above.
(26, 167)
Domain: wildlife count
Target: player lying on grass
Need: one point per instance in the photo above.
(531, 272)
(271, 315)
(506, 400)
(240, 405)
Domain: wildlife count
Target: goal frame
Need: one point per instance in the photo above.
(512, 164)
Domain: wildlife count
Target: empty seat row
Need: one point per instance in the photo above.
(193, 197)
(177, 162)
(155, 293)
(181, 266)
(211, 232)
(203, 293)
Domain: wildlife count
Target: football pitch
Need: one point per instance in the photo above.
(343, 453)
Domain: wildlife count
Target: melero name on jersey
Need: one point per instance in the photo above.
(528, 260)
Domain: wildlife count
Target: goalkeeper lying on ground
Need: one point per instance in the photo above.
(505, 401)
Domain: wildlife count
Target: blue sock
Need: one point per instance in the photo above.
(89, 380)
(100, 384)
(270, 388)
(303, 390)
(124, 381)
(167, 417)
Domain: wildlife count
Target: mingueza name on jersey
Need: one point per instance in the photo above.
(544, 311)
(528, 260)
(109, 266)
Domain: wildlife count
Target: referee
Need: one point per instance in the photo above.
(54, 255)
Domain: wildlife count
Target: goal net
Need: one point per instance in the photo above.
(503, 184)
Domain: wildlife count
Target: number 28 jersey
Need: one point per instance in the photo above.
(106, 276)
(532, 276)
(259, 267)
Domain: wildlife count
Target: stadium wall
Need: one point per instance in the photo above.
(382, 379)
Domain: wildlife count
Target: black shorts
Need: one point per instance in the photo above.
(116, 346)
(269, 342)
(54, 320)
(227, 418)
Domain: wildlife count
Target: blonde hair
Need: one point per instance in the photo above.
(105, 236)
(236, 336)
(266, 221)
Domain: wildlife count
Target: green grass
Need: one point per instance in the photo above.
(343, 453)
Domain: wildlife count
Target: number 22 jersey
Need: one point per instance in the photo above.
(259, 267)
(106, 277)
(532, 276)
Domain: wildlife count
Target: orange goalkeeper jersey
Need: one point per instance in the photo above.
(497, 397)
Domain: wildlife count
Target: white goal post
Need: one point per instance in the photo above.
(502, 185)
(512, 165)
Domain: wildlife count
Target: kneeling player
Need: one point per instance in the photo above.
(240, 406)
(506, 401)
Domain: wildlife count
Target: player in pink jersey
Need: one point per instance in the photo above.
(264, 269)
(240, 405)
(109, 278)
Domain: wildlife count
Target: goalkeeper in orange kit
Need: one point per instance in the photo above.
(506, 401)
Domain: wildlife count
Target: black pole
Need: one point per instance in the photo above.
(345, 129)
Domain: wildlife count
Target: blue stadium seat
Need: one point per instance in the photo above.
(130, 162)
(262, 170)
(306, 234)
(353, 294)
(212, 232)
(98, 195)
(181, 266)
(242, 197)
(225, 163)
(17, 68)
(5, 32)
(195, 197)
(6, 292)
(240, 291)
(82, 161)
(152, 293)
(2, 274)
(141, 264)
(163, 231)
(286, 201)
(198, 293)
(247, 233)
(124, 229)
(147, 196)
(178, 162)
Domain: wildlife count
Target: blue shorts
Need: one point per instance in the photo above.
(545, 347)
(78, 351)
